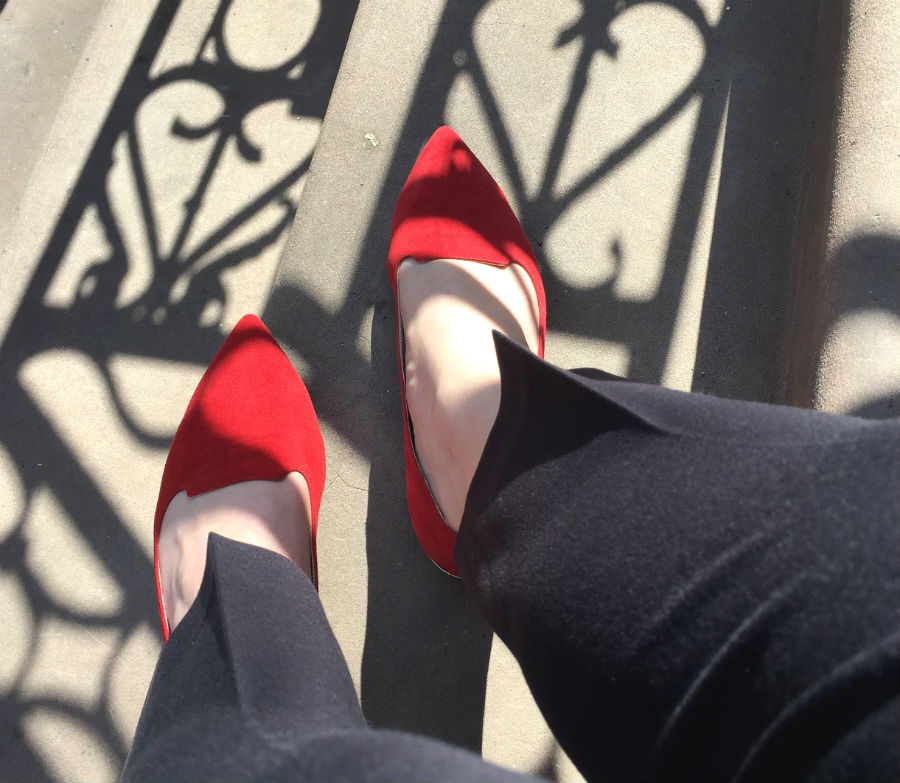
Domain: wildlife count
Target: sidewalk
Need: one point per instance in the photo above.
(686, 173)
(152, 165)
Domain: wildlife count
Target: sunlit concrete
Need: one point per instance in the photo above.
(152, 159)
(858, 368)
(657, 155)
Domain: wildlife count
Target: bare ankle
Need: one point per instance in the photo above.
(274, 515)
(449, 309)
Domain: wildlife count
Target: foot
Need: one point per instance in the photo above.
(448, 309)
(270, 514)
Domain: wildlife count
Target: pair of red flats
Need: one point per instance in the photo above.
(251, 416)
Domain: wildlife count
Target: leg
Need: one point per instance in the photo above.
(249, 670)
(693, 587)
(449, 308)
(252, 686)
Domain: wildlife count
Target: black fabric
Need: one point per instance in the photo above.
(695, 588)
(252, 686)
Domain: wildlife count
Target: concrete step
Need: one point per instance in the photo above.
(151, 159)
(659, 158)
(844, 335)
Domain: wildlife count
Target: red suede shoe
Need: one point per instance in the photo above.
(250, 418)
(450, 207)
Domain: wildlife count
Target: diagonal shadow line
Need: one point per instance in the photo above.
(577, 88)
(195, 202)
(501, 134)
(619, 155)
(118, 552)
(622, 319)
(696, 16)
(151, 229)
(242, 216)
(251, 248)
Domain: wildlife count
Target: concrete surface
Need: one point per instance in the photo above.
(667, 160)
(153, 157)
(658, 161)
(845, 324)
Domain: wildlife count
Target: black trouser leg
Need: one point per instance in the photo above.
(695, 588)
(252, 686)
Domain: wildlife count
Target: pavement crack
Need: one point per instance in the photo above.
(369, 490)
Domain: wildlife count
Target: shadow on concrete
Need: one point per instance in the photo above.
(157, 324)
(864, 279)
(426, 650)
(867, 279)
(736, 68)
(424, 642)
(769, 58)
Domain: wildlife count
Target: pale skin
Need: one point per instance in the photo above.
(448, 308)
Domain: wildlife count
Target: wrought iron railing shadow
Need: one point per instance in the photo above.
(175, 316)
(357, 395)
(181, 258)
